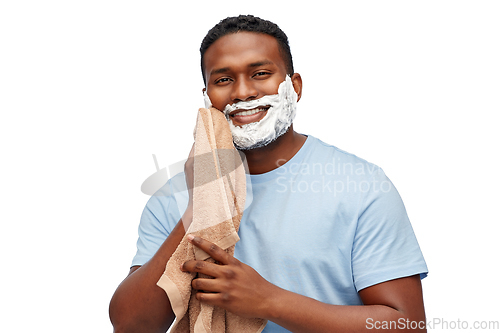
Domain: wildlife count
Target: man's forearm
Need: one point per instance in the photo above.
(138, 304)
(394, 305)
(308, 315)
(299, 314)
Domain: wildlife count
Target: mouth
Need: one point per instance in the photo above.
(247, 116)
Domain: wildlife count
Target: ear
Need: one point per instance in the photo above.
(203, 91)
(297, 84)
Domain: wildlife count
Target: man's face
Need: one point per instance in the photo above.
(243, 66)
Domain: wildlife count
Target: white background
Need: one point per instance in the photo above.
(89, 90)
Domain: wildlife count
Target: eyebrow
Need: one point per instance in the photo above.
(260, 63)
(220, 70)
(252, 65)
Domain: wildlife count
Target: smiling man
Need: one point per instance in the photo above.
(326, 244)
(246, 77)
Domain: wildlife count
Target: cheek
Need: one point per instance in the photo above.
(269, 87)
(219, 100)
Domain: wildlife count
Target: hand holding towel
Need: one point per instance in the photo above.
(219, 190)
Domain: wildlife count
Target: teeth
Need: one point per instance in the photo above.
(248, 113)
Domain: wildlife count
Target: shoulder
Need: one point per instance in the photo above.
(170, 200)
(175, 186)
(339, 162)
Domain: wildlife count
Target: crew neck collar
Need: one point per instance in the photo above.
(297, 158)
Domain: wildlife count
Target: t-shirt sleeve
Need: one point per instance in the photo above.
(385, 246)
(159, 217)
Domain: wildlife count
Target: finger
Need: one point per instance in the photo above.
(211, 249)
(204, 267)
(218, 299)
(206, 285)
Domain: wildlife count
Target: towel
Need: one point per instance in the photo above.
(218, 201)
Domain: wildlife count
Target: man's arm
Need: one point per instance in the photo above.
(240, 289)
(396, 306)
(138, 304)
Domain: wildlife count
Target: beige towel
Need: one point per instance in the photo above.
(218, 202)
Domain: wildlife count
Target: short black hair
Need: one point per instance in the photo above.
(248, 23)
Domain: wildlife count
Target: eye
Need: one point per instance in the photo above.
(222, 80)
(261, 75)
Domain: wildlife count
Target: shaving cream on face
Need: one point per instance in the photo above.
(206, 99)
(276, 122)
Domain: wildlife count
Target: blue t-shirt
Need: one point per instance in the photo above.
(326, 224)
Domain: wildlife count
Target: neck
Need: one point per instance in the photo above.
(278, 152)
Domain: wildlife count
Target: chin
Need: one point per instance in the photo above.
(262, 143)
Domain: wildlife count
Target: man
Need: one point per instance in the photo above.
(325, 245)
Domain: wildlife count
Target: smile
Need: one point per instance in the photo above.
(240, 112)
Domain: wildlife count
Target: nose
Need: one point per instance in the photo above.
(243, 90)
